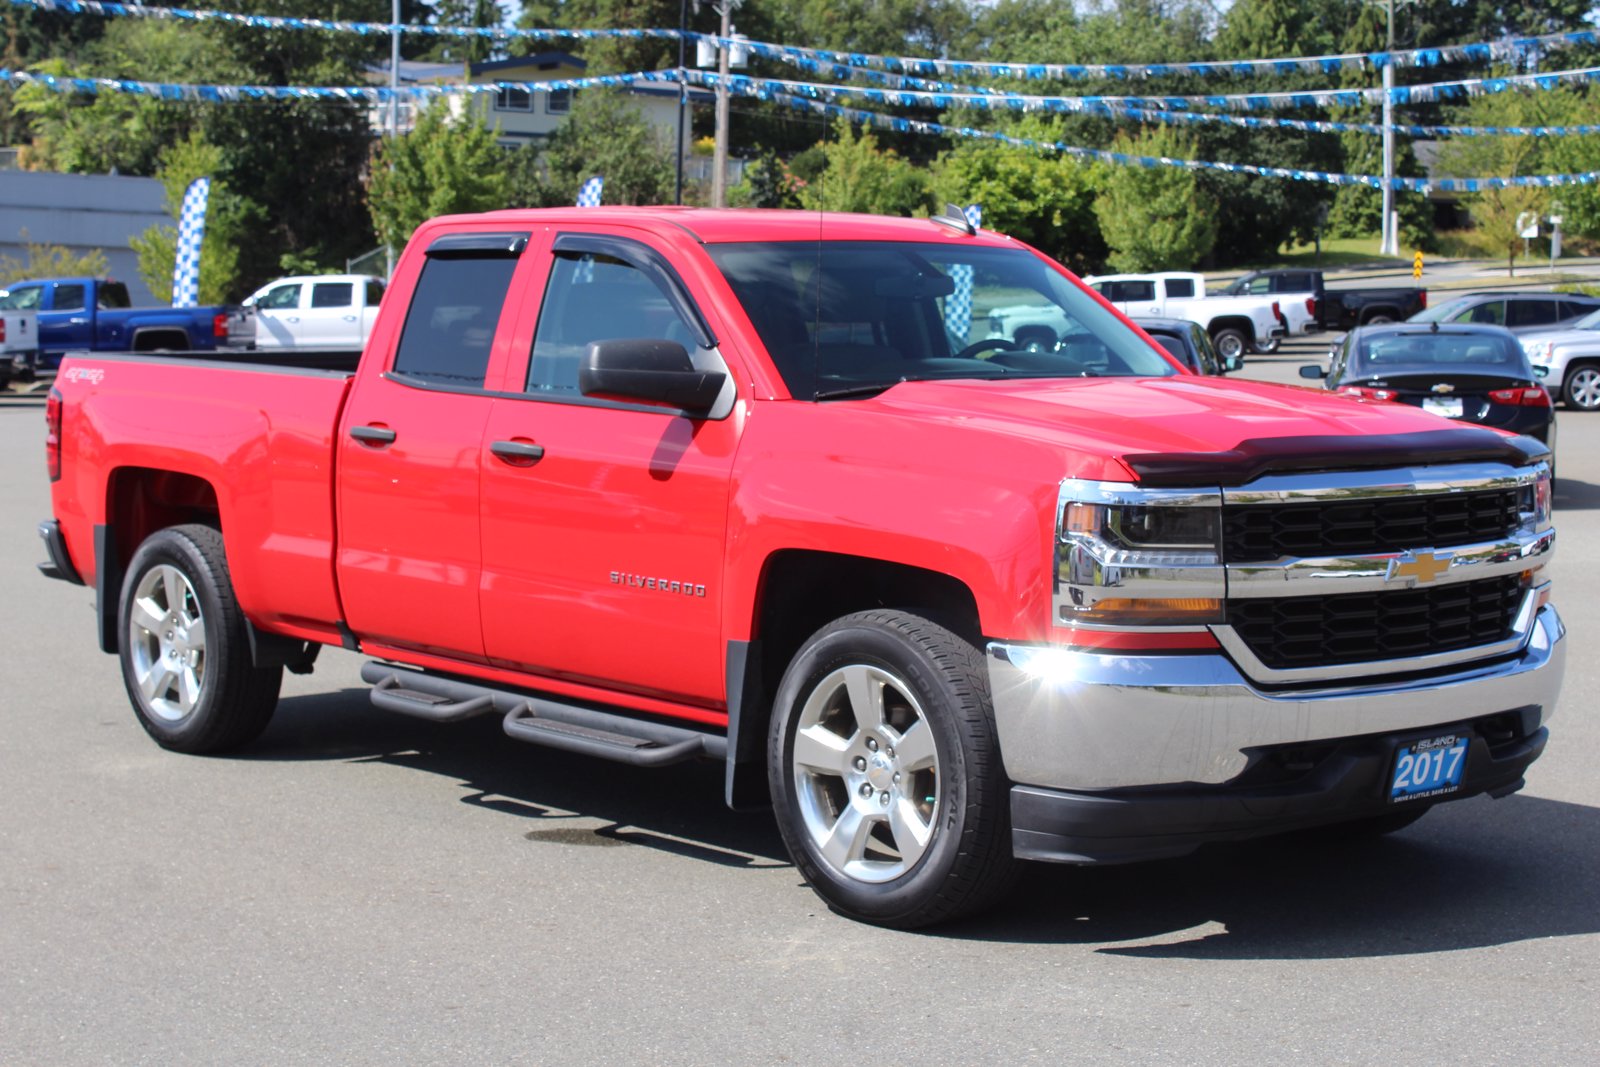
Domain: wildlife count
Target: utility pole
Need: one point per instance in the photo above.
(719, 156)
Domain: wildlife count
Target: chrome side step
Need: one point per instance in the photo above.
(539, 720)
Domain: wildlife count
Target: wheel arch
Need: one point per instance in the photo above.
(800, 591)
(1242, 323)
(140, 501)
(156, 338)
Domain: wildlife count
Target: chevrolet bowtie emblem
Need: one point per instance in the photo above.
(1422, 567)
(1444, 387)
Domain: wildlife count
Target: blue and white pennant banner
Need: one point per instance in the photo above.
(191, 235)
(816, 60)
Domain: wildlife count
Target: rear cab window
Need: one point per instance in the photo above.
(332, 294)
(455, 309)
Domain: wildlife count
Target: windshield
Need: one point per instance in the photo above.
(847, 318)
(1590, 321)
(1396, 354)
(23, 299)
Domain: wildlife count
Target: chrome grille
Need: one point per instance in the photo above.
(1324, 631)
(1256, 533)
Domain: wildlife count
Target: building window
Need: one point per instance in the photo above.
(512, 99)
(558, 102)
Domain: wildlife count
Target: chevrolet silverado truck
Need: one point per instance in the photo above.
(95, 314)
(19, 342)
(1237, 324)
(1343, 308)
(662, 484)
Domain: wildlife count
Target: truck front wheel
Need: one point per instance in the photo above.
(1582, 388)
(885, 772)
(185, 648)
(1230, 342)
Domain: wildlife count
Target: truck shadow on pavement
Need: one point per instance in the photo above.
(1472, 874)
(1573, 495)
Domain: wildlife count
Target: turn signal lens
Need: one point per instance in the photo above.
(1151, 611)
(1529, 397)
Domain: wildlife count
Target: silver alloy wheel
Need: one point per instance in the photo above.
(1583, 388)
(866, 774)
(1229, 344)
(167, 642)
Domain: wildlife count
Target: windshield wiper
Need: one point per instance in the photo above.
(858, 390)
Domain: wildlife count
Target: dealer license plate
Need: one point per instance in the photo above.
(1449, 407)
(1428, 768)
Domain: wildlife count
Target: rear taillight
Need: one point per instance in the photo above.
(1368, 394)
(219, 324)
(1277, 312)
(1422, 299)
(1533, 396)
(52, 433)
(1311, 306)
(2, 328)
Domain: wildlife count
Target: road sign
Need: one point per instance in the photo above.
(1416, 265)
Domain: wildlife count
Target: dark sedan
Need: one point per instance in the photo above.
(1189, 342)
(1473, 373)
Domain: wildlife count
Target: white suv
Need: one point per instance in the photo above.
(1569, 360)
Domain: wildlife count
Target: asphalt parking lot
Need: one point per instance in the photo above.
(360, 888)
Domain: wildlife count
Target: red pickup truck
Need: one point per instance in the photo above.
(661, 484)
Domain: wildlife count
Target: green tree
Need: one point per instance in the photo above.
(1045, 200)
(227, 220)
(445, 165)
(766, 183)
(1155, 218)
(606, 134)
(862, 177)
(51, 261)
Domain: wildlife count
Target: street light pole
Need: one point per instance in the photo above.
(394, 109)
(683, 93)
(1390, 243)
(719, 156)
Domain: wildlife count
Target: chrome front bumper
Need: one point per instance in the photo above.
(1096, 721)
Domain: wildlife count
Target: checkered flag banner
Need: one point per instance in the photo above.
(589, 194)
(958, 306)
(191, 231)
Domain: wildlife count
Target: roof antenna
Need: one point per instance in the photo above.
(956, 219)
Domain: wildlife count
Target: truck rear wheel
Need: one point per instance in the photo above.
(1582, 388)
(885, 772)
(185, 648)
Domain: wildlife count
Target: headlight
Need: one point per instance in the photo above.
(1538, 351)
(1128, 557)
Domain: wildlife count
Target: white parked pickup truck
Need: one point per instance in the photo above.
(1236, 323)
(316, 311)
(19, 341)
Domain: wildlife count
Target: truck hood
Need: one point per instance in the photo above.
(1119, 418)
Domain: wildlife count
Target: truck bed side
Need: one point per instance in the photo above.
(148, 441)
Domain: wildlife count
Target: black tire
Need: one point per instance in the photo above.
(927, 679)
(190, 697)
(1268, 346)
(1230, 342)
(1380, 319)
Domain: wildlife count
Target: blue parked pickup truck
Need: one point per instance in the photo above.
(93, 315)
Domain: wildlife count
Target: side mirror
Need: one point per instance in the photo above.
(1232, 363)
(1541, 371)
(650, 370)
(1311, 370)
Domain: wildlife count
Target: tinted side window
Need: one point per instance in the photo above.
(112, 295)
(1492, 312)
(451, 322)
(69, 298)
(374, 292)
(1532, 312)
(1123, 292)
(332, 294)
(593, 297)
(1185, 287)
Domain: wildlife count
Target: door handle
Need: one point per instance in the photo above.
(349, 318)
(75, 321)
(373, 435)
(518, 453)
(291, 318)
